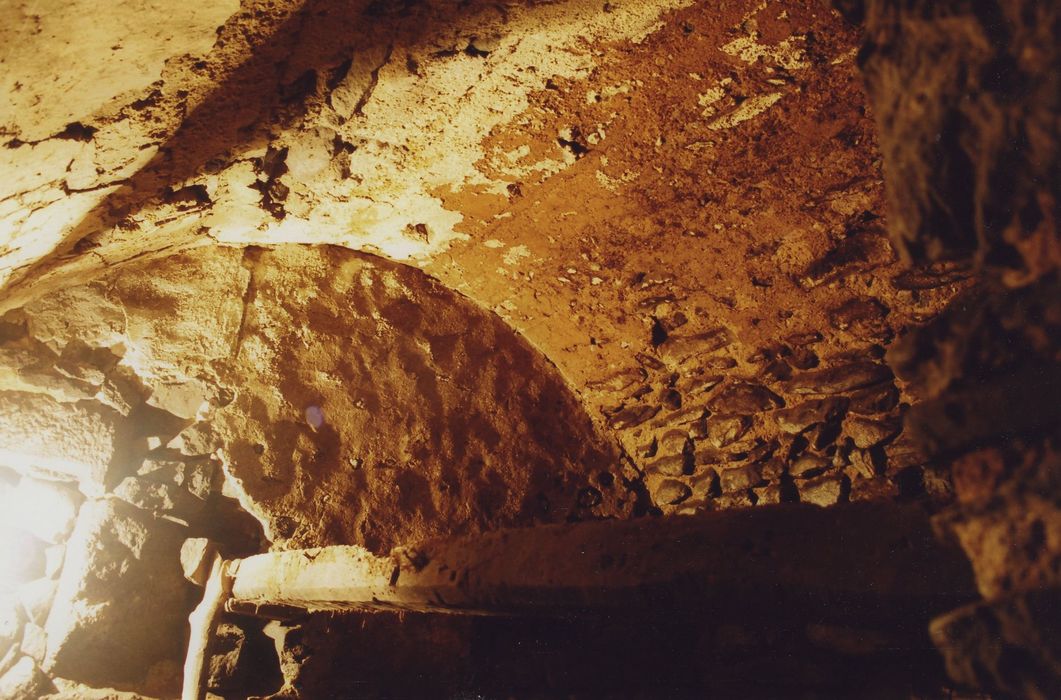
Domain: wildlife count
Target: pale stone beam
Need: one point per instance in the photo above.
(857, 564)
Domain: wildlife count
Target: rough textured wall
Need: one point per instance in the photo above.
(349, 399)
(679, 206)
(967, 101)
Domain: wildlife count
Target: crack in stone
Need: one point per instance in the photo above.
(251, 261)
(373, 80)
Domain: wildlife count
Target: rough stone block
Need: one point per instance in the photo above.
(24, 681)
(44, 509)
(122, 602)
(79, 441)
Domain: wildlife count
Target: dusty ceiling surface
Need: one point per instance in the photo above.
(379, 271)
(679, 207)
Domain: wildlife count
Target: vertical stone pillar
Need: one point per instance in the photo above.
(967, 98)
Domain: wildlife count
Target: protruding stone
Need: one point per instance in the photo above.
(34, 642)
(202, 479)
(859, 252)
(840, 378)
(227, 648)
(36, 598)
(808, 465)
(121, 602)
(11, 619)
(875, 489)
(880, 398)
(670, 441)
(672, 492)
(53, 560)
(80, 441)
(709, 456)
(671, 465)
(45, 509)
(700, 383)
(619, 382)
(164, 470)
(739, 478)
(867, 432)
(744, 398)
(796, 419)
(158, 497)
(679, 349)
(80, 361)
(862, 462)
(632, 416)
(767, 495)
(197, 555)
(122, 391)
(865, 315)
(24, 681)
(195, 440)
(726, 430)
(822, 491)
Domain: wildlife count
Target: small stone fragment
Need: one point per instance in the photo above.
(822, 491)
(80, 361)
(804, 358)
(739, 478)
(796, 419)
(195, 440)
(767, 495)
(865, 315)
(202, 479)
(772, 469)
(903, 453)
(671, 465)
(726, 430)
(762, 451)
(671, 399)
(862, 462)
(679, 349)
(800, 340)
(162, 470)
(632, 416)
(856, 253)
(875, 489)
(868, 432)
(620, 381)
(708, 457)
(671, 441)
(931, 277)
(158, 496)
(122, 390)
(197, 555)
(808, 465)
(672, 492)
(740, 499)
(700, 383)
(744, 398)
(36, 598)
(874, 399)
(34, 642)
(11, 619)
